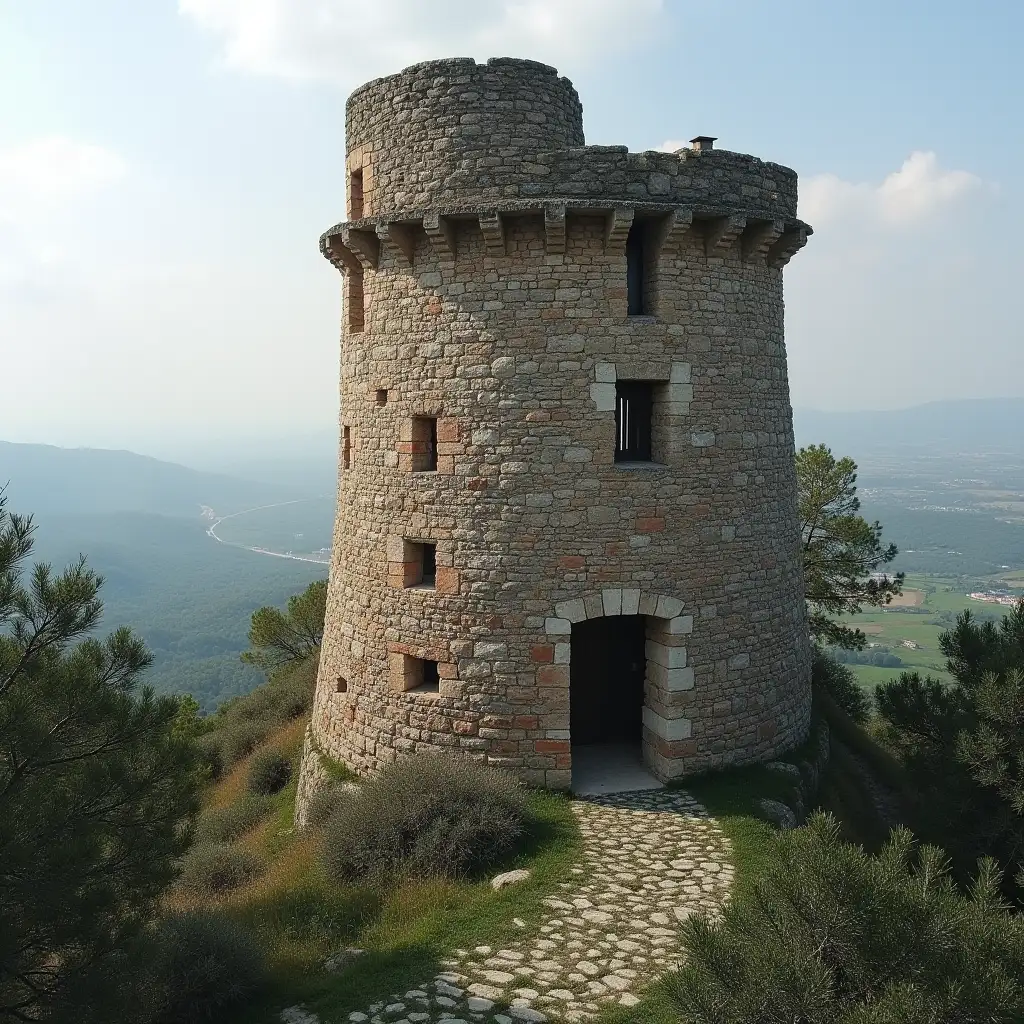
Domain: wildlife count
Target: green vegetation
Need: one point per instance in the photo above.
(427, 817)
(841, 549)
(218, 867)
(962, 745)
(830, 933)
(269, 772)
(225, 824)
(188, 597)
(281, 638)
(203, 964)
(98, 781)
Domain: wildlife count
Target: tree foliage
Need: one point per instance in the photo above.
(841, 549)
(831, 935)
(280, 638)
(97, 779)
(964, 744)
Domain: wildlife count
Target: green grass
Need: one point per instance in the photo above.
(299, 917)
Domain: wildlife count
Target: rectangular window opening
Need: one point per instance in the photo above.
(354, 302)
(637, 301)
(342, 684)
(424, 438)
(382, 396)
(346, 447)
(428, 576)
(431, 679)
(355, 194)
(633, 404)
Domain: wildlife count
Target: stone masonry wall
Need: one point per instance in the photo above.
(509, 326)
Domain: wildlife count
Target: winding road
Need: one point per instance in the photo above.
(217, 520)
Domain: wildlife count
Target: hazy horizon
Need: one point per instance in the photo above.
(159, 269)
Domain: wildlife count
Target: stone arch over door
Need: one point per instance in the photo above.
(669, 681)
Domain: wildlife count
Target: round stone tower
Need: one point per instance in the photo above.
(566, 500)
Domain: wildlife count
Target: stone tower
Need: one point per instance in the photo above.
(566, 499)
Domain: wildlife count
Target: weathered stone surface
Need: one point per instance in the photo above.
(492, 309)
(778, 812)
(509, 878)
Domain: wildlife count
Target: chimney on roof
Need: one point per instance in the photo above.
(703, 143)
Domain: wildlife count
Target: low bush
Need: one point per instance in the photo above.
(211, 752)
(240, 739)
(428, 815)
(214, 868)
(204, 964)
(324, 803)
(269, 772)
(831, 934)
(839, 682)
(223, 824)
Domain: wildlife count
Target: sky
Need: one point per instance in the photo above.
(167, 167)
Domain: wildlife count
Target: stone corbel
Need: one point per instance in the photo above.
(671, 228)
(617, 225)
(554, 228)
(340, 254)
(400, 236)
(493, 229)
(758, 238)
(364, 244)
(441, 233)
(721, 232)
(788, 245)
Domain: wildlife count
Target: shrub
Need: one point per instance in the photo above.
(240, 739)
(223, 824)
(211, 754)
(430, 816)
(269, 772)
(213, 868)
(326, 801)
(204, 964)
(839, 682)
(830, 934)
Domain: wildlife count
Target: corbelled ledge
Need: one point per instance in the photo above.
(356, 245)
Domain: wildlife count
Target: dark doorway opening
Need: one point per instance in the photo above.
(606, 681)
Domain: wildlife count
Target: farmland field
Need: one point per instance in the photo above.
(928, 608)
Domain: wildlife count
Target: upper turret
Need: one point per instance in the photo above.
(439, 131)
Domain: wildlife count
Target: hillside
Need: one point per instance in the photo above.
(89, 481)
(138, 522)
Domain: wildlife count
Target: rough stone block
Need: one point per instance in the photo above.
(630, 601)
(603, 396)
(611, 599)
(573, 611)
(670, 729)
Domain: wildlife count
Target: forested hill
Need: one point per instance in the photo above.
(138, 522)
(46, 480)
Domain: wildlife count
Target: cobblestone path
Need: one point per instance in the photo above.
(650, 860)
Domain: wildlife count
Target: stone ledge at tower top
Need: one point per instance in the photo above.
(457, 132)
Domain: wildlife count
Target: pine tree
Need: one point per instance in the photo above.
(97, 781)
(280, 638)
(831, 935)
(841, 549)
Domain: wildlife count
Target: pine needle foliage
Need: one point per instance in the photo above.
(98, 780)
(841, 549)
(963, 745)
(831, 935)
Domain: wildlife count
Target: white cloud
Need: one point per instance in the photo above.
(672, 145)
(348, 41)
(916, 192)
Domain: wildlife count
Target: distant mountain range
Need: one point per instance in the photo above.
(976, 426)
(46, 480)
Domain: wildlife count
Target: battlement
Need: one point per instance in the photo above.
(454, 132)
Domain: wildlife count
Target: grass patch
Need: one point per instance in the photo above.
(299, 917)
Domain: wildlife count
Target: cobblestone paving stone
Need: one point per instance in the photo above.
(650, 860)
